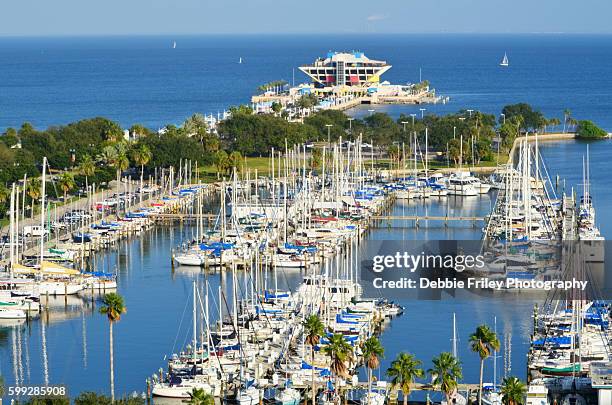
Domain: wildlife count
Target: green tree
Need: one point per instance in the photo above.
(87, 168)
(199, 397)
(446, 372)
(1, 387)
(5, 193)
(372, 351)
(66, 183)
(313, 330)
(316, 158)
(113, 308)
(531, 119)
(138, 130)
(403, 371)
(340, 352)
(588, 130)
(34, 190)
(46, 400)
(483, 341)
(240, 109)
(92, 398)
(195, 124)
(513, 391)
(277, 107)
(142, 155)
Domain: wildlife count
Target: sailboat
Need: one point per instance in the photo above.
(240, 60)
(504, 62)
(174, 45)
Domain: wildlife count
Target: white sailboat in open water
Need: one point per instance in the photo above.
(504, 61)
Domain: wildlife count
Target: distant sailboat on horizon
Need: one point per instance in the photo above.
(240, 60)
(174, 45)
(504, 61)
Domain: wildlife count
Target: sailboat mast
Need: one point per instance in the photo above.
(42, 210)
(195, 324)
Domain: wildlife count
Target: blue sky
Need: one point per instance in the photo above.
(101, 17)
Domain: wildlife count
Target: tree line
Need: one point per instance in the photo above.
(96, 150)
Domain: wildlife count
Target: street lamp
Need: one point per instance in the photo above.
(350, 120)
(422, 112)
(454, 132)
(504, 117)
(328, 133)
(470, 111)
(371, 110)
(413, 116)
(404, 124)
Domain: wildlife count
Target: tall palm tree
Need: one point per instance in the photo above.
(66, 183)
(483, 341)
(313, 329)
(199, 397)
(566, 114)
(87, 168)
(403, 371)
(513, 391)
(372, 351)
(221, 162)
(34, 190)
(113, 308)
(142, 155)
(446, 371)
(194, 124)
(340, 352)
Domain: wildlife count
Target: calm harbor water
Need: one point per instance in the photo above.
(50, 81)
(74, 341)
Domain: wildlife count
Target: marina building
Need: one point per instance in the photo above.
(345, 69)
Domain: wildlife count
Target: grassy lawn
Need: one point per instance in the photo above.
(208, 174)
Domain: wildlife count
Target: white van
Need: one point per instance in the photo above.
(34, 230)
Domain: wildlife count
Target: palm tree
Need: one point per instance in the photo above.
(142, 155)
(234, 160)
(513, 391)
(313, 329)
(199, 397)
(483, 341)
(554, 121)
(34, 190)
(404, 370)
(566, 114)
(194, 123)
(372, 351)
(113, 308)
(66, 183)
(87, 168)
(445, 372)
(340, 352)
(221, 162)
(4, 193)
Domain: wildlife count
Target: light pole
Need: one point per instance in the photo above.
(454, 132)
(350, 120)
(504, 117)
(404, 124)
(413, 117)
(422, 112)
(371, 110)
(470, 111)
(328, 134)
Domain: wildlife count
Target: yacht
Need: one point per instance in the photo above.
(461, 184)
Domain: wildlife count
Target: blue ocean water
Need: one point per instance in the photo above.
(50, 81)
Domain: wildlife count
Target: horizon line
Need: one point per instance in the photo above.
(296, 33)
